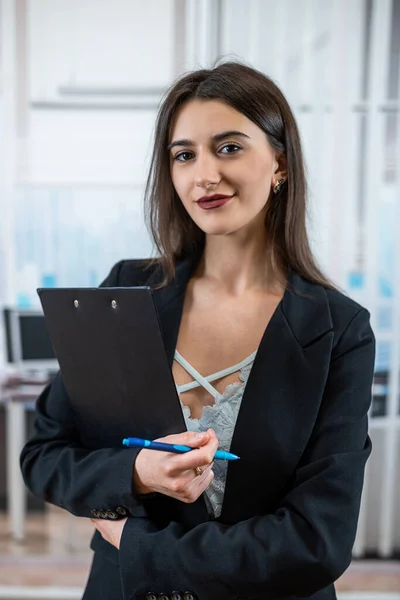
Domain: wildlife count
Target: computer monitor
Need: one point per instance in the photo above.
(27, 342)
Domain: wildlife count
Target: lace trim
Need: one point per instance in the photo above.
(229, 393)
(221, 416)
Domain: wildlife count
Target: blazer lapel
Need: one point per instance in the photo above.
(280, 401)
(281, 398)
(169, 302)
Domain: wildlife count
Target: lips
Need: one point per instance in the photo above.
(215, 201)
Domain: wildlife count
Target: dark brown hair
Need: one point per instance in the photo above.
(257, 97)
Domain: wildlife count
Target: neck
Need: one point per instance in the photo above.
(238, 263)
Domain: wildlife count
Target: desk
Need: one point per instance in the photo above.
(19, 395)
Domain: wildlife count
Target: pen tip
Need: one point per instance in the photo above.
(125, 442)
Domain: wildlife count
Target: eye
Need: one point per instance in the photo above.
(233, 148)
(183, 156)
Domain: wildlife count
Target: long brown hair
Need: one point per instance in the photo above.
(257, 97)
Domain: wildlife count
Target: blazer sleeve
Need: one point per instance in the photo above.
(57, 468)
(307, 543)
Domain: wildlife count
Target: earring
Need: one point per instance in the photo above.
(278, 186)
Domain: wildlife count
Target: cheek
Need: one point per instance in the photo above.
(254, 178)
(180, 183)
(254, 168)
(183, 188)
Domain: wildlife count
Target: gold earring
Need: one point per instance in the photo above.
(278, 186)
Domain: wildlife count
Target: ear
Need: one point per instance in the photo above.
(280, 166)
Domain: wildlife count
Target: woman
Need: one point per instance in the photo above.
(241, 298)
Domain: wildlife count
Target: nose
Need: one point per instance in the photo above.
(207, 172)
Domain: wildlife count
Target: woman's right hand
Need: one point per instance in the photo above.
(175, 474)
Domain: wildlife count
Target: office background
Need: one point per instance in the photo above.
(80, 83)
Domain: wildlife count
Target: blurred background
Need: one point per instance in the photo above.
(80, 84)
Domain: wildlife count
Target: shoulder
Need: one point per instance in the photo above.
(350, 320)
(314, 309)
(342, 308)
(133, 272)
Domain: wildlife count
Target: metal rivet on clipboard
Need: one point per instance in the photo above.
(114, 303)
(76, 303)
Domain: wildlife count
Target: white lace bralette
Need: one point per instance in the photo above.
(221, 416)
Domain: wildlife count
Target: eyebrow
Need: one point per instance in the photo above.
(216, 138)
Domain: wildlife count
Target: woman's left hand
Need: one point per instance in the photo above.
(111, 531)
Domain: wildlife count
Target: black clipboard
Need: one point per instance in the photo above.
(111, 352)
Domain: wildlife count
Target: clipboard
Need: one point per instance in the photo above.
(112, 357)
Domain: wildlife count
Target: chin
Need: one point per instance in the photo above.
(218, 229)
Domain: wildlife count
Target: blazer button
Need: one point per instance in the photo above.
(95, 513)
(103, 514)
(163, 597)
(111, 514)
(121, 510)
(151, 596)
(176, 596)
(188, 596)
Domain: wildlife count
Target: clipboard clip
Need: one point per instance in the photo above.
(113, 303)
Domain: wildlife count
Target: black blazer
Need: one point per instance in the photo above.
(291, 503)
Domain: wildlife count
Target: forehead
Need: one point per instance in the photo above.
(201, 119)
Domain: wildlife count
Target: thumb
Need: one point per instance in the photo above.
(187, 438)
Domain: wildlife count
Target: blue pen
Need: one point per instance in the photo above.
(133, 442)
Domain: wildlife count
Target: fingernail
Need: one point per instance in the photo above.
(200, 436)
